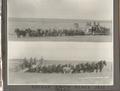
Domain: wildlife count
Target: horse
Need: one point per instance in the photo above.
(20, 33)
(67, 70)
(100, 65)
(32, 33)
(39, 32)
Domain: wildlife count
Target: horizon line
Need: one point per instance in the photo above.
(61, 19)
(58, 59)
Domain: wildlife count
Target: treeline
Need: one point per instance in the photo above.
(38, 65)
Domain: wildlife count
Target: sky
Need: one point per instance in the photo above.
(68, 51)
(68, 9)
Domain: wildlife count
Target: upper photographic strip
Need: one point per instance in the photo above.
(63, 20)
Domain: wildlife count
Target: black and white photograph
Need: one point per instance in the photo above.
(60, 42)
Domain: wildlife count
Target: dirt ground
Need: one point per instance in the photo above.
(87, 38)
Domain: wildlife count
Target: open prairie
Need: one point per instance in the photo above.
(17, 76)
(57, 24)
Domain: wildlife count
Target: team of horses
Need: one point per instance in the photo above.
(39, 67)
(47, 32)
(95, 29)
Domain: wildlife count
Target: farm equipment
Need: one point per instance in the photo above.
(97, 29)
